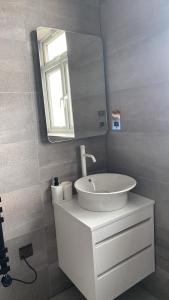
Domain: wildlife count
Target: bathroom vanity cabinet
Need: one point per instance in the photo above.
(105, 253)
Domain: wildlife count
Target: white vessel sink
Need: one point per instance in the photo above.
(104, 192)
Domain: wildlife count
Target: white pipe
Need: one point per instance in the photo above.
(83, 160)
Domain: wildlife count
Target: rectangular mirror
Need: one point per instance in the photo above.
(72, 73)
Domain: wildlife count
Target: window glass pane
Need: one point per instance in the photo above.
(69, 104)
(56, 98)
(57, 46)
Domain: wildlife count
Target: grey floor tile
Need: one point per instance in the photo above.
(37, 291)
(58, 282)
(71, 293)
(135, 293)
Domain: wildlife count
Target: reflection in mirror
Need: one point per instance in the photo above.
(73, 84)
(55, 81)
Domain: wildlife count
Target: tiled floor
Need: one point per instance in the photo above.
(135, 293)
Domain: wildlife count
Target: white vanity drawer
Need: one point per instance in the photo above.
(126, 222)
(116, 248)
(117, 280)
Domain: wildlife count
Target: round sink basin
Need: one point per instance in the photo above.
(104, 192)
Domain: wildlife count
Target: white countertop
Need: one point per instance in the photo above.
(95, 220)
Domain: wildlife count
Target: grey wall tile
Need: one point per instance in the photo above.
(145, 155)
(65, 8)
(19, 166)
(12, 153)
(135, 66)
(13, 83)
(132, 21)
(63, 159)
(142, 109)
(23, 212)
(13, 71)
(63, 15)
(52, 254)
(69, 151)
(162, 237)
(11, 21)
(136, 35)
(159, 191)
(46, 198)
(58, 153)
(14, 177)
(27, 163)
(37, 238)
(64, 171)
(16, 122)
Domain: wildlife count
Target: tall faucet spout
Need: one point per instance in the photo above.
(83, 159)
(92, 157)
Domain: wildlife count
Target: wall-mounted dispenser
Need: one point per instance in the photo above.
(116, 123)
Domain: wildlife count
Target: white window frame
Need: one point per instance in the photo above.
(47, 67)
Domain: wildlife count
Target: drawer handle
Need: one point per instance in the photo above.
(123, 261)
(97, 244)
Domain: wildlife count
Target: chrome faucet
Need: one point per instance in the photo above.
(83, 159)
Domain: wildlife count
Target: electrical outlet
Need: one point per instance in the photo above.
(26, 251)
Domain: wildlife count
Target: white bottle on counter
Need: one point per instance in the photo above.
(57, 191)
(67, 190)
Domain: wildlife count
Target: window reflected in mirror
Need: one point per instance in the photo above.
(56, 83)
